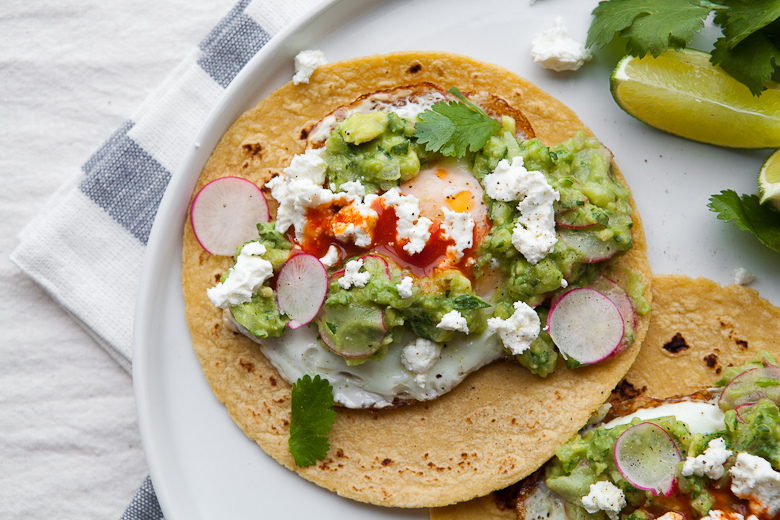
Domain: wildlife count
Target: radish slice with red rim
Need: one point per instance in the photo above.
(301, 287)
(743, 409)
(585, 325)
(225, 214)
(647, 457)
(750, 387)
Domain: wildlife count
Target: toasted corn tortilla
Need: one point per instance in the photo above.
(697, 328)
(499, 425)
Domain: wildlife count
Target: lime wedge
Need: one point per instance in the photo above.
(769, 180)
(682, 93)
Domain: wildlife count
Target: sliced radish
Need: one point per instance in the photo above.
(574, 218)
(301, 287)
(354, 331)
(588, 245)
(647, 457)
(750, 387)
(616, 294)
(743, 409)
(376, 265)
(225, 214)
(585, 325)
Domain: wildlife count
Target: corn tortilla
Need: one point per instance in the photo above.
(497, 426)
(697, 328)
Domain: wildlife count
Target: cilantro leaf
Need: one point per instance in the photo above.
(749, 215)
(311, 419)
(466, 302)
(751, 62)
(452, 128)
(650, 25)
(745, 17)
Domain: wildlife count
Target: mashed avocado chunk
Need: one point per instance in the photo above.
(376, 149)
(593, 215)
(359, 321)
(261, 315)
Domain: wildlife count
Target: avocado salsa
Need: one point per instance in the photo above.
(751, 427)
(380, 151)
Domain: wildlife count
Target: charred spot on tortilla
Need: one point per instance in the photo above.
(676, 345)
(711, 360)
(625, 390)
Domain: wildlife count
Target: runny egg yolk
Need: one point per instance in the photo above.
(451, 185)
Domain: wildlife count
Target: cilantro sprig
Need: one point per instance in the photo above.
(749, 49)
(311, 419)
(453, 128)
(748, 214)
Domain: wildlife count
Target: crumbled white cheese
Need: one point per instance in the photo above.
(331, 257)
(554, 49)
(671, 515)
(356, 221)
(716, 514)
(604, 496)
(710, 462)
(564, 283)
(743, 277)
(411, 226)
(353, 276)
(534, 232)
(299, 187)
(405, 287)
(248, 273)
(419, 357)
(460, 228)
(306, 62)
(753, 479)
(453, 320)
(520, 330)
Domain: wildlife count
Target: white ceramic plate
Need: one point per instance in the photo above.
(202, 465)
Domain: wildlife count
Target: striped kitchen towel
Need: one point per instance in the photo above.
(101, 221)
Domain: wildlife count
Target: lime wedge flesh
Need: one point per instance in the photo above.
(769, 180)
(682, 93)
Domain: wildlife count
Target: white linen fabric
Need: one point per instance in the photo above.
(85, 249)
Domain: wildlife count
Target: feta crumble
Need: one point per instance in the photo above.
(716, 514)
(554, 49)
(405, 287)
(419, 357)
(411, 226)
(248, 273)
(306, 62)
(710, 462)
(460, 228)
(297, 188)
(520, 330)
(534, 232)
(753, 479)
(453, 320)
(356, 221)
(743, 277)
(331, 257)
(671, 515)
(604, 496)
(352, 275)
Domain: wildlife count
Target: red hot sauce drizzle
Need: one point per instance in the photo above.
(317, 240)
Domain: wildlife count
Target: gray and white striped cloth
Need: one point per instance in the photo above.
(115, 198)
